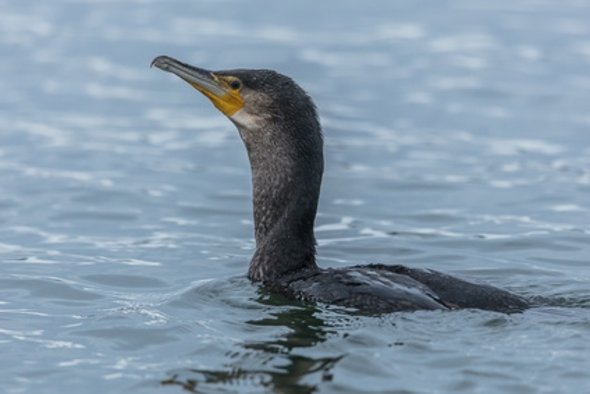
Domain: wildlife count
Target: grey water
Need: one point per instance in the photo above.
(457, 138)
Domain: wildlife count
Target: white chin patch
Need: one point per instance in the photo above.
(246, 120)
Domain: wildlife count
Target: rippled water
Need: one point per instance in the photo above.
(456, 138)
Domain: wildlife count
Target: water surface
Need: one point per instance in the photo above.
(456, 139)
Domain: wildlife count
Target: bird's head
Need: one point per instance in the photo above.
(252, 99)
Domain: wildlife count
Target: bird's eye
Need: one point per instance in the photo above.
(235, 84)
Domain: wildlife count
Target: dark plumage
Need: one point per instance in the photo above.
(278, 123)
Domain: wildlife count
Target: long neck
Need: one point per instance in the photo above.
(286, 178)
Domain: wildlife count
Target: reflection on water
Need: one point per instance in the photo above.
(271, 364)
(456, 138)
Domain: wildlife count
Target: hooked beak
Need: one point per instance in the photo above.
(216, 89)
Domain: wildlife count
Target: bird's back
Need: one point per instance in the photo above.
(393, 288)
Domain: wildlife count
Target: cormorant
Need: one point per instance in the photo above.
(279, 126)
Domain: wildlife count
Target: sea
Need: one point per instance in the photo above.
(457, 138)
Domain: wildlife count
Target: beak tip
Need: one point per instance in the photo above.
(159, 61)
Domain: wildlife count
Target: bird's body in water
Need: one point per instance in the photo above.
(279, 126)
